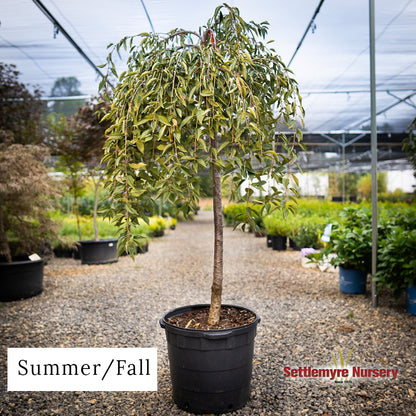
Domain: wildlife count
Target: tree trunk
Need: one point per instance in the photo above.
(216, 288)
(76, 209)
(4, 246)
(96, 184)
(77, 216)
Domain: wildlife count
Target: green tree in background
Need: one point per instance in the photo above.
(66, 87)
(364, 185)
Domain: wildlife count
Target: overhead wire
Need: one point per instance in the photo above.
(91, 52)
(366, 48)
(55, 22)
(27, 55)
(307, 30)
(356, 58)
(148, 17)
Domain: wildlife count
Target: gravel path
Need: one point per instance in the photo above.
(304, 319)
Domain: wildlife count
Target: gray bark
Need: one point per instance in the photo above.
(216, 288)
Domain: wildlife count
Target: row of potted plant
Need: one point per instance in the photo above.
(351, 241)
(303, 228)
(70, 228)
(349, 246)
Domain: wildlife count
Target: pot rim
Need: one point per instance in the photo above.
(101, 241)
(20, 263)
(225, 331)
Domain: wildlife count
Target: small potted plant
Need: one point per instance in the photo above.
(396, 268)
(173, 222)
(188, 102)
(308, 255)
(351, 241)
(26, 191)
(307, 230)
(278, 228)
(157, 226)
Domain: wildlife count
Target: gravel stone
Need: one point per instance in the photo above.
(304, 320)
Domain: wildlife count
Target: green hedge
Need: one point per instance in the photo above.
(305, 227)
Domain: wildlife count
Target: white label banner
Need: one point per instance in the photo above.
(82, 369)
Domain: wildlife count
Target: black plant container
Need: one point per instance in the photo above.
(269, 240)
(210, 369)
(99, 252)
(293, 245)
(20, 279)
(279, 242)
(143, 249)
(63, 252)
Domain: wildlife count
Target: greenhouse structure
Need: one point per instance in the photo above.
(207, 207)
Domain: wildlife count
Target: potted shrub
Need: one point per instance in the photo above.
(142, 237)
(189, 101)
(351, 241)
(307, 231)
(90, 136)
(173, 222)
(157, 226)
(78, 142)
(278, 228)
(25, 226)
(396, 268)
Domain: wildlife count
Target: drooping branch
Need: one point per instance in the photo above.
(183, 32)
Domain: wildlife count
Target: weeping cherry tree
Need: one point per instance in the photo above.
(192, 101)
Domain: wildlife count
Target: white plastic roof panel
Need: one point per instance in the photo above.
(331, 66)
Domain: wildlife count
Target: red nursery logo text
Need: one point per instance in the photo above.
(340, 373)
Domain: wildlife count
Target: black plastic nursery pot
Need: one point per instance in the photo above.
(67, 252)
(99, 252)
(143, 249)
(210, 369)
(279, 242)
(20, 279)
(293, 245)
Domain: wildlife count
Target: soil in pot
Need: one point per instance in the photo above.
(210, 369)
(230, 317)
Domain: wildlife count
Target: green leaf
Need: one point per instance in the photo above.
(138, 166)
(186, 120)
(140, 146)
(162, 119)
(206, 93)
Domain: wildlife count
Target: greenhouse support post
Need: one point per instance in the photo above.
(373, 154)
